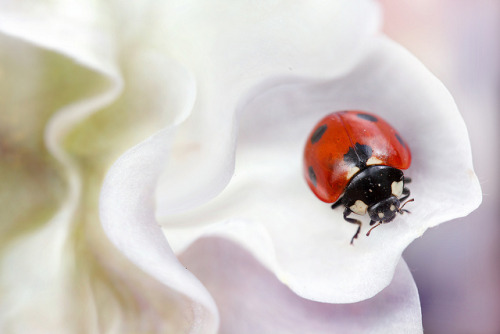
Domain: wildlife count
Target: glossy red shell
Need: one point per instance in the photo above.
(326, 168)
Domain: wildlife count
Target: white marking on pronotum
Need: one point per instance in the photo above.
(381, 215)
(351, 172)
(397, 188)
(373, 161)
(359, 207)
(393, 208)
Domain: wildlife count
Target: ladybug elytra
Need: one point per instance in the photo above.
(355, 159)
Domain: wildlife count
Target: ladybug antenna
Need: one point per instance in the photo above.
(400, 210)
(368, 233)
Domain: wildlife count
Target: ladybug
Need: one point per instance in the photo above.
(355, 159)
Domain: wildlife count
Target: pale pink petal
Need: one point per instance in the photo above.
(251, 300)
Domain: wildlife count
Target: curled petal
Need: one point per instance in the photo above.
(59, 67)
(231, 57)
(268, 208)
(48, 106)
(251, 300)
(127, 214)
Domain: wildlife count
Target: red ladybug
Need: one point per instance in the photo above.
(355, 158)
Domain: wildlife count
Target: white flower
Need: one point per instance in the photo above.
(232, 89)
(299, 237)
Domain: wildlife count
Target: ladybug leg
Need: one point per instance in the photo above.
(406, 194)
(406, 179)
(372, 222)
(337, 204)
(379, 223)
(347, 212)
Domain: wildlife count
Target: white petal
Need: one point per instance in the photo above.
(73, 28)
(37, 98)
(58, 68)
(268, 208)
(251, 300)
(127, 214)
(233, 56)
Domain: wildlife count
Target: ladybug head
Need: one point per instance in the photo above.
(385, 210)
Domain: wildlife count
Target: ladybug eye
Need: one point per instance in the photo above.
(392, 208)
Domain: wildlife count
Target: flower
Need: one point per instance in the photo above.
(224, 89)
(275, 213)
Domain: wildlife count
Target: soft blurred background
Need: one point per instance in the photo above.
(457, 265)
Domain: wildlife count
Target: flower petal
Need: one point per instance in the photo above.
(238, 48)
(251, 300)
(268, 208)
(40, 107)
(53, 84)
(127, 214)
(50, 23)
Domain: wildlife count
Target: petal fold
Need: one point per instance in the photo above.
(127, 215)
(235, 57)
(251, 300)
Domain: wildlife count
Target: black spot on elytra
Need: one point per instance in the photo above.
(358, 155)
(400, 140)
(316, 136)
(368, 117)
(312, 176)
